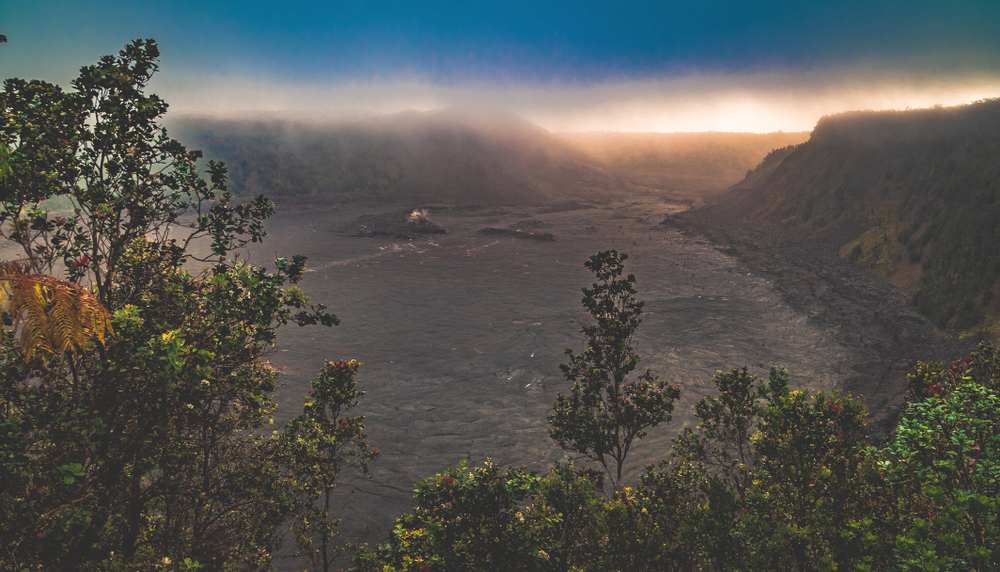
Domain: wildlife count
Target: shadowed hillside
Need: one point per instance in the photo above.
(441, 156)
(909, 195)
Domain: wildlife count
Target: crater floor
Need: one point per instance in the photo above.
(462, 334)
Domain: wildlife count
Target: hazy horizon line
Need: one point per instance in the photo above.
(751, 103)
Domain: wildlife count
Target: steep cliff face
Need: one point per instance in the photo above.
(913, 196)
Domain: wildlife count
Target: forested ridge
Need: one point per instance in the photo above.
(136, 401)
(921, 188)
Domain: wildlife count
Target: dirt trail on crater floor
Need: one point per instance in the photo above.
(462, 333)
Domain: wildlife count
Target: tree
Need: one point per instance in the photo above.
(146, 449)
(815, 479)
(722, 442)
(604, 414)
(944, 462)
(316, 447)
(102, 149)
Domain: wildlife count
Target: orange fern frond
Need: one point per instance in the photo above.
(54, 316)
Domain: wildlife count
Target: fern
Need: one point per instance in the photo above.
(54, 316)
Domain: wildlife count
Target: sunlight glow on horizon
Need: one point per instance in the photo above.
(753, 103)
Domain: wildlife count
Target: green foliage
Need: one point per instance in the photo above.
(566, 518)
(160, 424)
(945, 461)
(770, 479)
(604, 414)
(102, 147)
(680, 513)
(465, 520)
(145, 452)
(783, 475)
(721, 443)
(812, 483)
(316, 448)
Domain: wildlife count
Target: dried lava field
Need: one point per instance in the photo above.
(462, 333)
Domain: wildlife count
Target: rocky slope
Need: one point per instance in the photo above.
(911, 196)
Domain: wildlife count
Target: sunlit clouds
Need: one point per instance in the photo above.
(668, 65)
(760, 103)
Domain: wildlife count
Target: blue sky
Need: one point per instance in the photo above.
(721, 65)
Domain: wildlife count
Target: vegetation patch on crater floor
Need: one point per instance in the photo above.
(407, 225)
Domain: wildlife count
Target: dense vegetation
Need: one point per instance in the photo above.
(922, 189)
(135, 401)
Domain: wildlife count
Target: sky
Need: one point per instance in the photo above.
(568, 66)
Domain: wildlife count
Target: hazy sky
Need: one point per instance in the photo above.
(636, 66)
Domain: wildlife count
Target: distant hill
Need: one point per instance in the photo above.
(694, 162)
(441, 156)
(913, 196)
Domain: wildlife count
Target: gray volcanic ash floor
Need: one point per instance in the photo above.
(462, 334)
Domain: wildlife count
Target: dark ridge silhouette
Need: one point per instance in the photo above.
(909, 195)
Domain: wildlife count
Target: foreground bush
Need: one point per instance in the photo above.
(133, 400)
(771, 479)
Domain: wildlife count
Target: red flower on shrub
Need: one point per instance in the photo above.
(933, 390)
